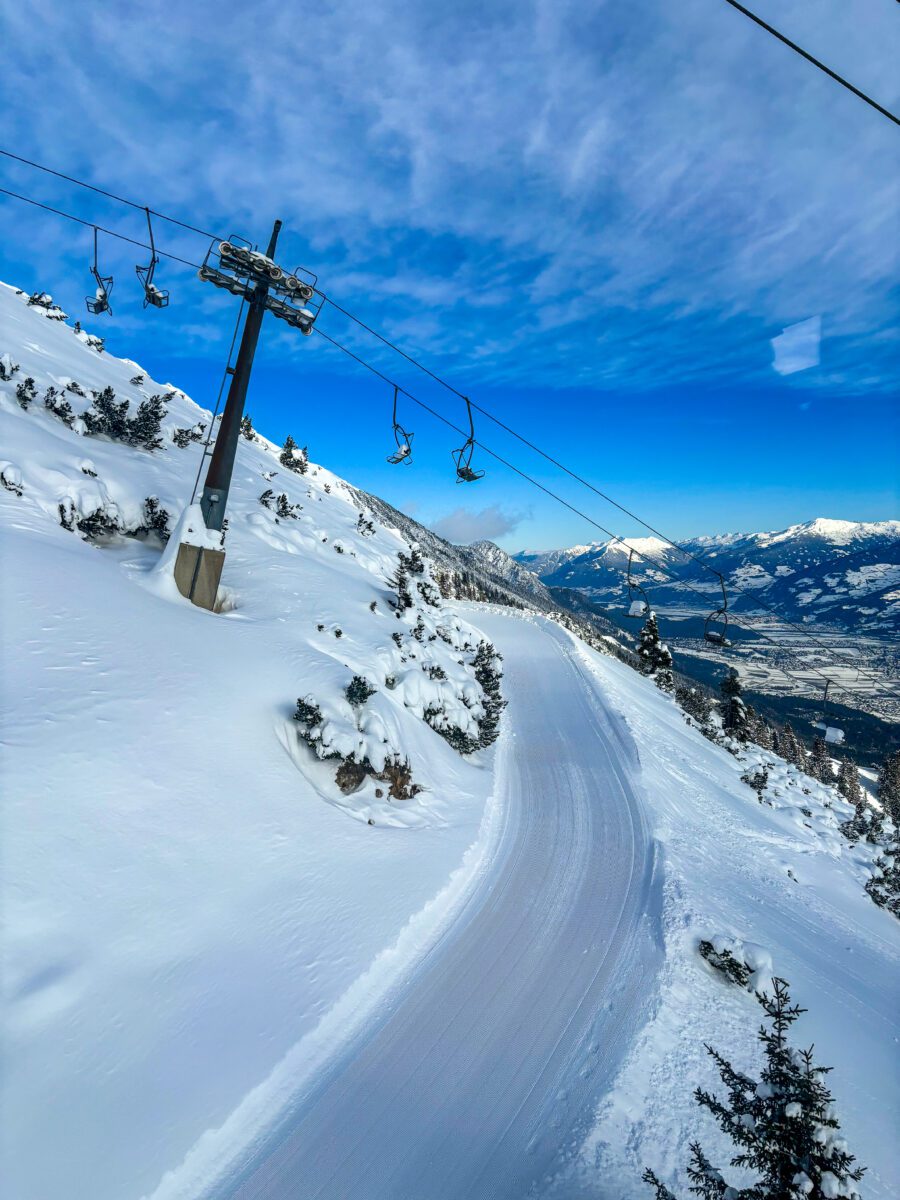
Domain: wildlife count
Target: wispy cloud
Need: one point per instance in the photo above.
(619, 195)
(465, 525)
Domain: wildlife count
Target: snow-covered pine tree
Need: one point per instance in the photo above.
(400, 582)
(763, 733)
(819, 762)
(145, 429)
(791, 750)
(247, 428)
(488, 674)
(889, 787)
(735, 717)
(293, 457)
(656, 660)
(848, 781)
(107, 418)
(784, 1126)
(697, 704)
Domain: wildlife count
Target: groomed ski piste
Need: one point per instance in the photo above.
(223, 977)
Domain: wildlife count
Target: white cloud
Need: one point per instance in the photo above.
(465, 525)
(668, 179)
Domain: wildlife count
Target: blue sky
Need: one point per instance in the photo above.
(594, 219)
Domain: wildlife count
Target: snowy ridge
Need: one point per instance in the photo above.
(840, 573)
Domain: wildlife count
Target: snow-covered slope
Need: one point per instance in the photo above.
(205, 938)
(505, 567)
(184, 897)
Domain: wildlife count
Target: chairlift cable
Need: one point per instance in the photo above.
(103, 192)
(592, 487)
(815, 62)
(677, 580)
(100, 228)
(438, 379)
(485, 412)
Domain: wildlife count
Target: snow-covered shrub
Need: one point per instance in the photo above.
(136, 380)
(354, 745)
(358, 691)
(364, 526)
(100, 524)
(104, 521)
(108, 418)
(247, 428)
(156, 518)
(26, 392)
(723, 960)
(146, 428)
(183, 437)
(59, 406)
(43, 301)
(784, 1126)
(75, 388)
(11, 479)
(7, 368)
(757, 780)
(294, 458)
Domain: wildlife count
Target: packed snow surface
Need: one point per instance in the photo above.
(215, 967)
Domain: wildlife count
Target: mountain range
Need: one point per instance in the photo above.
(841, 574)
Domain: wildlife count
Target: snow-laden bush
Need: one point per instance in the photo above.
(26, 393)
(43, 302)
(57, 403)
(105, 521)
(182, 437)
(108, 417)
(7, 368)
(293, 457)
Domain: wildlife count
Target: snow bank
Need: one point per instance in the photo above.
(781, 887)
(190, 918)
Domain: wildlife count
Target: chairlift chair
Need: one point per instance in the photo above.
(831, 733)
(99, 302)
(465, 473)
(153, 295)
(718, 637)
(638, 603)
(403, 453)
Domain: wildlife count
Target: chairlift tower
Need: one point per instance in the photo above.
(264, 286)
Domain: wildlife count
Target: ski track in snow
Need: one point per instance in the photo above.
(494, 1053)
